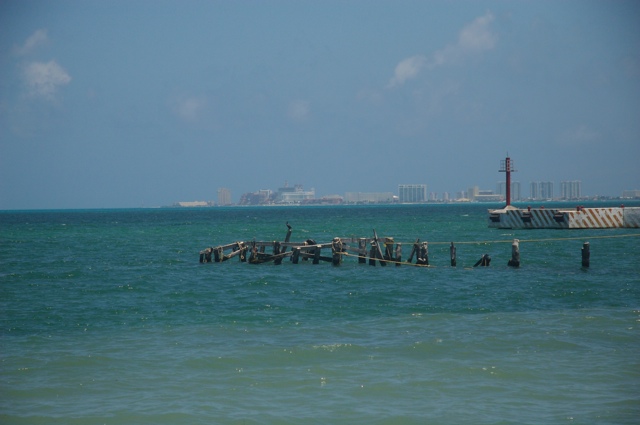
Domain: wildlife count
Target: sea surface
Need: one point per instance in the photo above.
(107, 317)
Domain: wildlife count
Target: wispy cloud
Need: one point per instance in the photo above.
(190, 108)
(44, 79)
(299, 110)
(36, 39)
(581, 135)
(474, 38)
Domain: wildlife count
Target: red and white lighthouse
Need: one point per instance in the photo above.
(506, 166)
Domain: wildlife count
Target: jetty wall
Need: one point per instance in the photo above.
(555, 218)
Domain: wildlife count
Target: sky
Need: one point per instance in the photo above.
(123, 104)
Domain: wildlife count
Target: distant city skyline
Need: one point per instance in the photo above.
(406, 193)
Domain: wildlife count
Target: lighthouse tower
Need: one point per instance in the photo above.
(506, 166)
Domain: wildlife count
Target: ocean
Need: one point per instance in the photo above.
(109, 318)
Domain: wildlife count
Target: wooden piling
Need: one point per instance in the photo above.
(205, 255)
(586, 254)
(484, 261)
(276, 252)
(373, 253)
(423, 254)
(336, 252)
(414, 250)
(362, 251)
(398, 254)
(296, 255)
(316, 256)
(452, 254)
(218, 253)
(378, 255)
(515, 254)
(388, 249)
(253, 256)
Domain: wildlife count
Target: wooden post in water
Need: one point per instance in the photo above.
(388, 249)
(484, 261)
(423, 254)
(336, 252)
(242, 249)
(373, 253)
(586, 254)
(362, 251)
(515, 254)
(276, 251)
(287, 238)
(205, 255)
(398, 254)
(452, 254)
(316, 256)
(378, 253)
(253, 256)
(414, 250)
(296, 255)
(218, 254)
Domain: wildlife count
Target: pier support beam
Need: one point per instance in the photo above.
(336, 252)
(423, 254)
(398, 254)
(316, 254)
(373, 254)
(388, 249)
(296, 255)
(362, 251)
(484, 261)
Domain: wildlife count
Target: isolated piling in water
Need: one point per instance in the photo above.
(515, 254)
(452, 254)
(586, 254)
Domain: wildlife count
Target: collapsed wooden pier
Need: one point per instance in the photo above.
(375, 250)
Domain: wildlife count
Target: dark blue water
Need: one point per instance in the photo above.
(108, 317)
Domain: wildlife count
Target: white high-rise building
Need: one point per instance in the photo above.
(411, 193)
(571, 189)
(546, 190)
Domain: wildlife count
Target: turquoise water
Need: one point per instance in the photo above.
(108, 318)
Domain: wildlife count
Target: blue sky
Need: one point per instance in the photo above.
(145, 103)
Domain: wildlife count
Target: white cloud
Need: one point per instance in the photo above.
(475, 37)
(43, 79)
(299, 110)
(407, 69)
(36, 39)
(190, 108)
